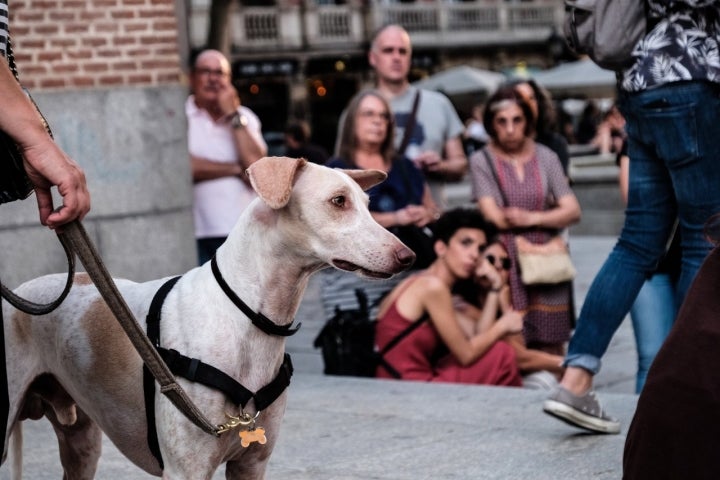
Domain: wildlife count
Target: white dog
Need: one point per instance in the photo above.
(77, 367)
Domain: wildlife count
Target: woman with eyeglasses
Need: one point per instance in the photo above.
(421, 336)
(519, 185)
(402, 203)
(540, 370)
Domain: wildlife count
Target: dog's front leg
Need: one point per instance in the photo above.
(242, 469)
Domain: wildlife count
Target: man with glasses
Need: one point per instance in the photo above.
(224, 139)
(434, 143)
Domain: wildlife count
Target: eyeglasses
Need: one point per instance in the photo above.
(368, 114)
(207, 72)
(499, 262)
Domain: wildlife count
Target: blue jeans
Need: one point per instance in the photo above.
(652, 315)
(673, 144)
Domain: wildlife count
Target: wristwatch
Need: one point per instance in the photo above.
(238, 121)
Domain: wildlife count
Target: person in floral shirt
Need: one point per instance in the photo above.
(670, 98)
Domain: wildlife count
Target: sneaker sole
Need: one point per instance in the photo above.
(576, 418)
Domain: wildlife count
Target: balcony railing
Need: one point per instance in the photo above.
(432, 23)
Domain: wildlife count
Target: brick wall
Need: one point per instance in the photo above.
(77, 44)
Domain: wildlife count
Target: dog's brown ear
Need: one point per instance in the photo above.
(272, 178)
(367, 178)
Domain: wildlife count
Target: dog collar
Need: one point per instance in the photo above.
(257, 318)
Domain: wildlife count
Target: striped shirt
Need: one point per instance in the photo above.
(4, 27)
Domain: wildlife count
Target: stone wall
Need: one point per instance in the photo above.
(107, 75)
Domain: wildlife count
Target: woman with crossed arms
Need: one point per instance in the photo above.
(521, 188)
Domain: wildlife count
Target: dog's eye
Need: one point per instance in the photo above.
(339, 201)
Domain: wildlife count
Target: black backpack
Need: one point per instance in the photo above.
(347, 341)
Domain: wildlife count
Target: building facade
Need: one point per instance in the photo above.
(294, 58)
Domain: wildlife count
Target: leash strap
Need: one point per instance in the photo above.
(80, 243)
(4, 395)
(39, 308)
(258, 319)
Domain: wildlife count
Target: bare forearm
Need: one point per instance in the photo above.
(24, 125)
(480, 344)
(452, 168)
(249, 150)
(489, 311)
(557, 217)
(203, 169)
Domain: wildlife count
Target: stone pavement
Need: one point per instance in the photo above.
(351, 429)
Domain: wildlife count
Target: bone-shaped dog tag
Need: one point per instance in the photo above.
(255, 434)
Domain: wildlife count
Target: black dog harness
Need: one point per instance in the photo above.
(195, 370)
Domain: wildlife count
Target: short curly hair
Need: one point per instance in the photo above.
(453, 220)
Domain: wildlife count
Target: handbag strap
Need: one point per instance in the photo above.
(410, 126)
(491, 164)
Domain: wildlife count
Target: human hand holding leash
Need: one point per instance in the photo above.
(47, 166)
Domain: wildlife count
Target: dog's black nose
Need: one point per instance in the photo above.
(405, 256)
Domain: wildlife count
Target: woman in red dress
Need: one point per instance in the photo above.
(442, 348)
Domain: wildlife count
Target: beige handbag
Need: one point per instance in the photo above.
(546, 263)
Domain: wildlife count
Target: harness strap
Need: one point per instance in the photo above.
(258, 319)
(195, 370)
(392, 343)
(153, 333)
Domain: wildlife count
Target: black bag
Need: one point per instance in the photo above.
(348, 341)
(14, 181)
(419, 241)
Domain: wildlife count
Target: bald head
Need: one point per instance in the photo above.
(393, 30)
(389, 56)
(213, 57)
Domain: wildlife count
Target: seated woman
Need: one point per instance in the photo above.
(440, 349)
(540, 370)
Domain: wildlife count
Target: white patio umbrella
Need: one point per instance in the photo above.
(462, 80)
(582, 77)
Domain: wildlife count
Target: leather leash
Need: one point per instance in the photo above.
(75, 241)
(75, 238)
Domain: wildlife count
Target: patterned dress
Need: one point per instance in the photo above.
(549, 318)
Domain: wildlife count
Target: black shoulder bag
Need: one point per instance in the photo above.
(347, 341)
(14, 182)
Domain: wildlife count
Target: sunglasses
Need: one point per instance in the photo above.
(499, 262)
